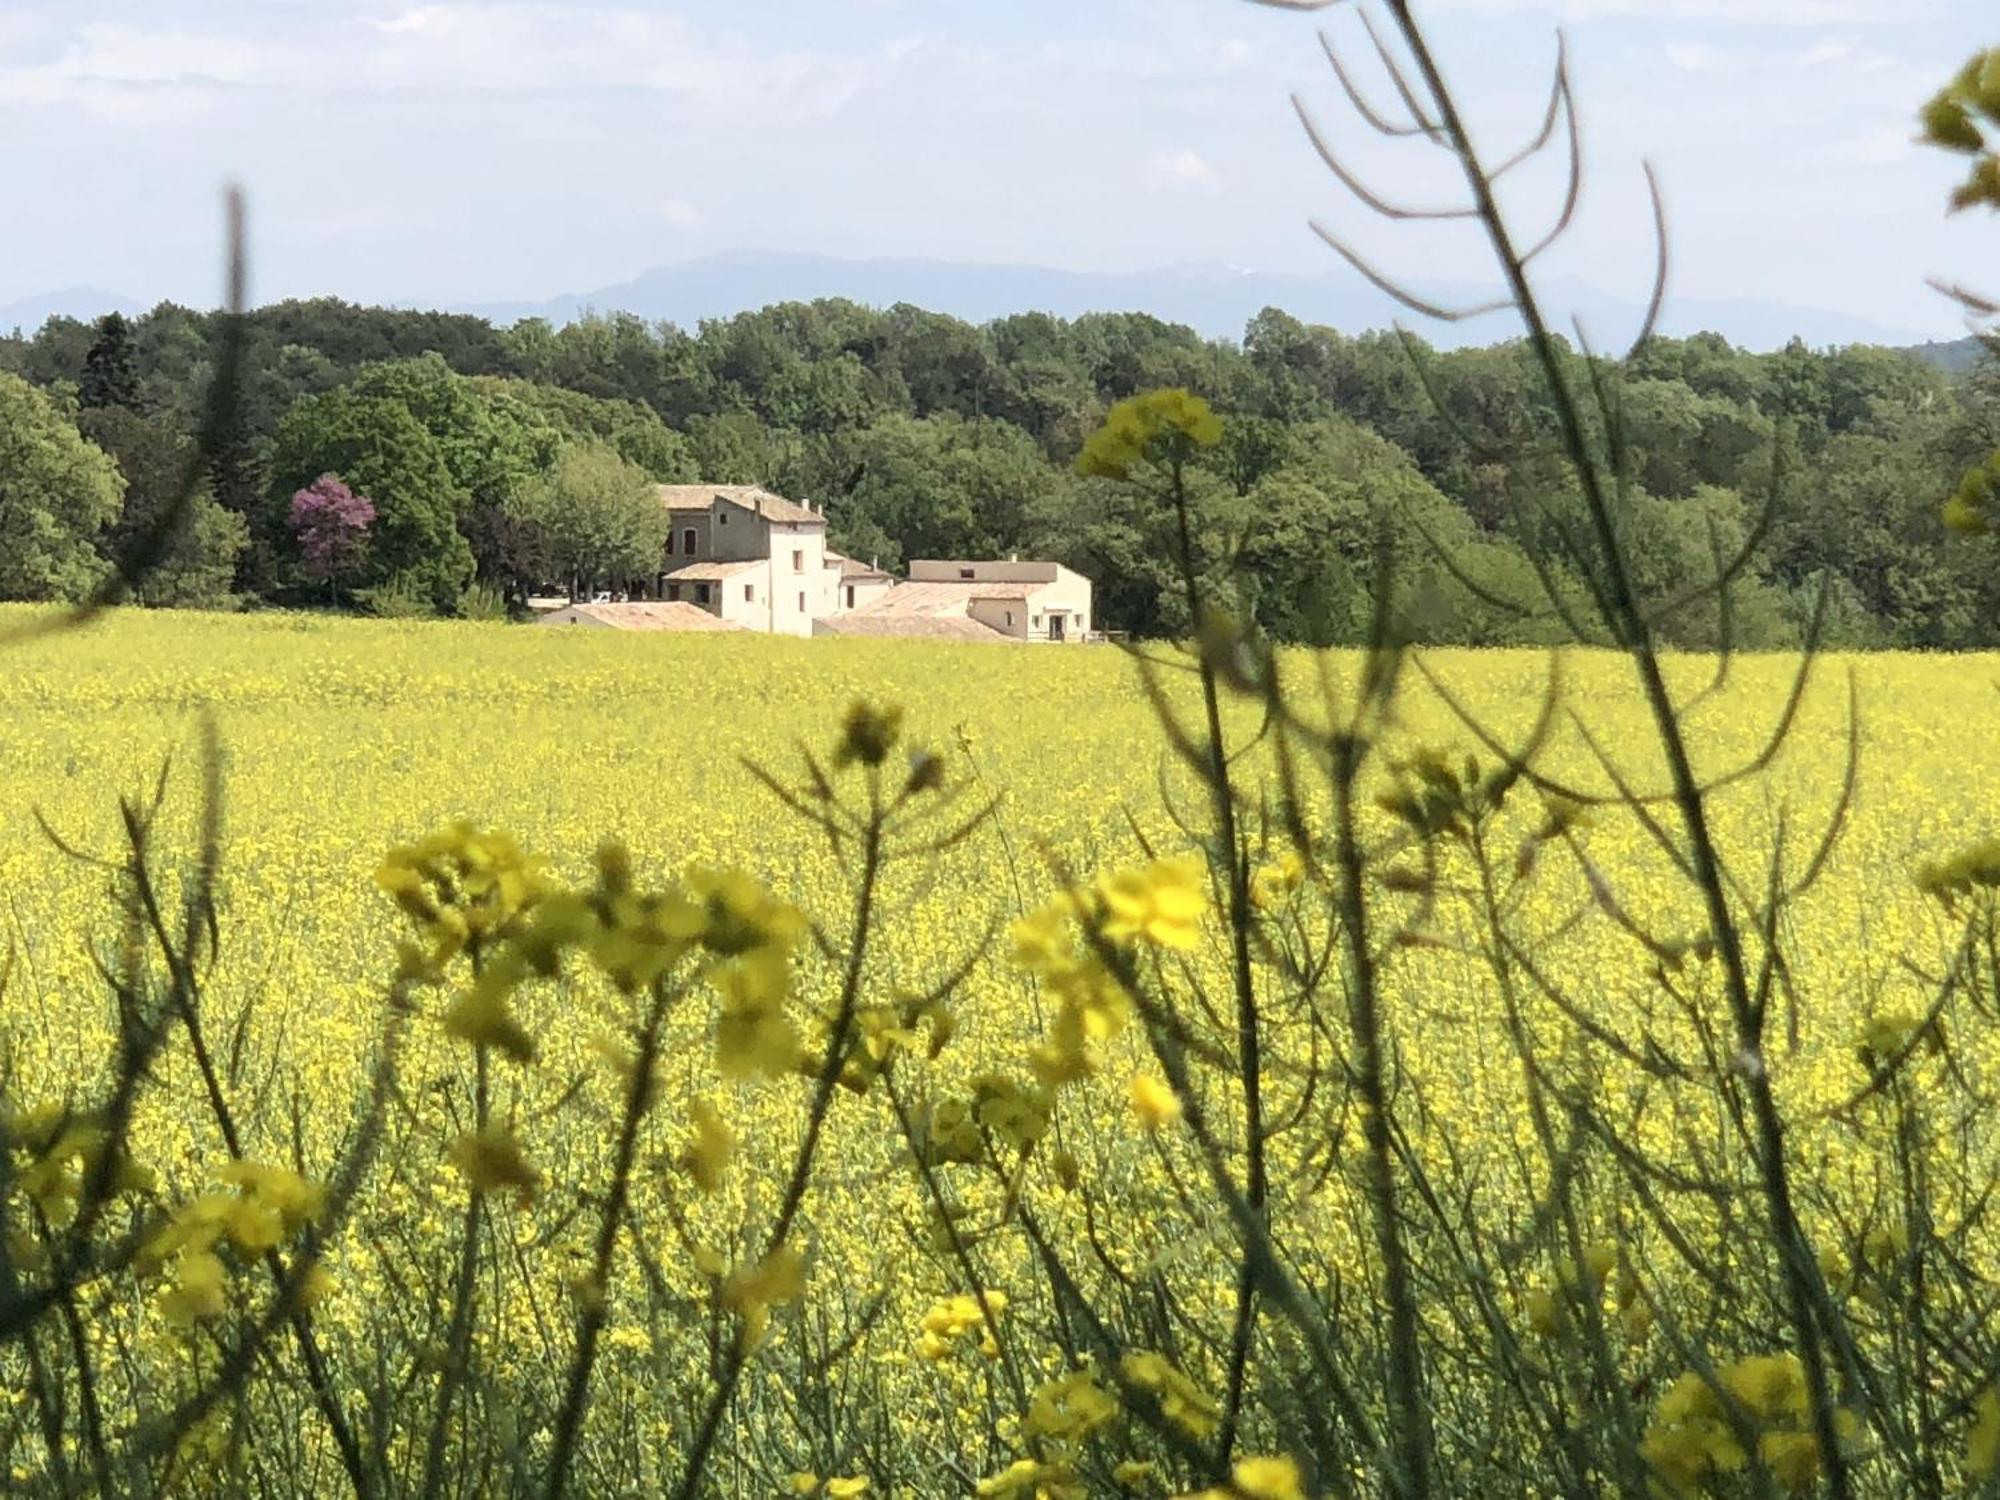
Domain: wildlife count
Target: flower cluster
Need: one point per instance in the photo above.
(1552, 1309)
(1259, 1479)
(257, 1209)
(1699, 1429)
(478, 893)
(1182, 1402)
(55, 1149)
(948, 1323)
(1159, 905)
(1149, 428)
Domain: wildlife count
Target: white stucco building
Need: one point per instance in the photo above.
(759, 561)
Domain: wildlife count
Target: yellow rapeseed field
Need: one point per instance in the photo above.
(869, 1353)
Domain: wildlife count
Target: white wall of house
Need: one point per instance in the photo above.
(1067, 598)
(744, 597)
(798, 576)
(1008, 616)
(860, 590)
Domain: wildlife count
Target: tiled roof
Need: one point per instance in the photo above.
(750, 496)
(710, 572)
(909, 626)
(639, 615)
(849, 568)
(1022, 570)
(944, 598)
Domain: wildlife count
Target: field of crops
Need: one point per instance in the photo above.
(343, 739)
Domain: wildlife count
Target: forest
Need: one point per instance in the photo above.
(412, 463)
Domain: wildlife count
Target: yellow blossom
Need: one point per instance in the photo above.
(1155, 1103)
(1161, 904)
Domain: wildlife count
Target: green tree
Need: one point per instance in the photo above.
(595, 518)
(431, 452)
(57, 492)
(197, 567)
(110, 367)
(635, 431)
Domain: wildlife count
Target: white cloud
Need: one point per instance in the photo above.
(1183, 169)
(680, 213)
(519, 49)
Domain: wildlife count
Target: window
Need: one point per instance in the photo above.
(687, 541)
(802, 603)
(966, 574)
(674, 592)
(798, 560)
(670, 541)
(850, 596)
(722, 518)
(1010, 617)
(701, 593)
(749, 593)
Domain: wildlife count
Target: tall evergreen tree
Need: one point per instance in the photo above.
(110, 369)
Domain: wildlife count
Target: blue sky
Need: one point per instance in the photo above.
(471, 150)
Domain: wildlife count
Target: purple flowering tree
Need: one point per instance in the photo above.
(330, 523)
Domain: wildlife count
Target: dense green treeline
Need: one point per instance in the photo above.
(492, 460)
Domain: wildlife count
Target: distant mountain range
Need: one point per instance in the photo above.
(1217, 301)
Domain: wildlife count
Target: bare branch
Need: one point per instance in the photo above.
(1404, 90)
(1408, 298)
(1558, 89)
(1360, 189)
(1362, 107)
(1573, 193)
(1660, 265)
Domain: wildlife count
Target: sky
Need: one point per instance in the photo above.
(489, 150)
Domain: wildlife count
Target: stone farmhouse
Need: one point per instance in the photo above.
(1012, 601)
(748, 559)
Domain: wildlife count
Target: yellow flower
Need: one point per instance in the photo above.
(492, 1159)
(1182, 1402)
(197, 1290)
(1148, 428)
(1792, 1458)
(1770, 1385)
(845, 1489)
(777, 1279)
(1154, 1102)
(1271, 884)
(1033, 1480)
(1269, 1479)
(952, 1318)
(1258, 1479)
(708, 1155)
(1162, 903)
(1070, 1408)
(481, 1016)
